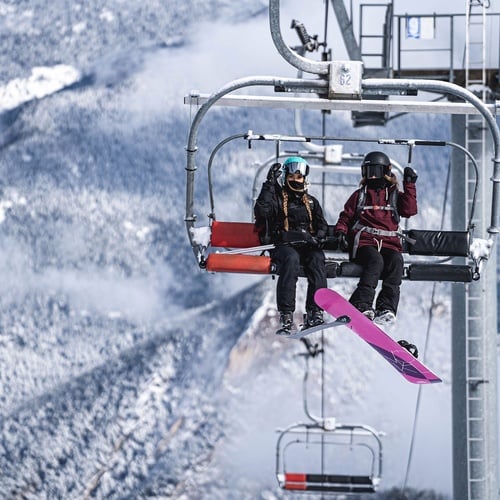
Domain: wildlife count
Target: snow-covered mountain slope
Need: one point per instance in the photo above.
(108, 404)
(126, 372)
(81, 33)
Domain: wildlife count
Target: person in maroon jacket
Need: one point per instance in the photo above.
(368, 227)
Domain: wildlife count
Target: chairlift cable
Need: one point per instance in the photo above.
(426, 344)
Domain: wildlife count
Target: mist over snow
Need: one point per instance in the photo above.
(126, 372)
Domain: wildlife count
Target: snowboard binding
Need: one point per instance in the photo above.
(411, 348)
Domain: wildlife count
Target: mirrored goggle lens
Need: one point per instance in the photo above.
(297, 168)
(374, 171)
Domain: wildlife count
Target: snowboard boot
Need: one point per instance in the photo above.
(369, 313)
(366, 310)
(286, 323)
(313, 317)
(384, 317)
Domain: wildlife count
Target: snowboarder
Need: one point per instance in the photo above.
(368, 228)
(288, 216)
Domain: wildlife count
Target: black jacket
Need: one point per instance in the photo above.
(269, 213)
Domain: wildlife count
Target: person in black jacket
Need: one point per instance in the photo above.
(288, 216)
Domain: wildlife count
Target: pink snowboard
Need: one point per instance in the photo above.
(404, 362)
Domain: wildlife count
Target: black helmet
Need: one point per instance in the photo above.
(375, 165)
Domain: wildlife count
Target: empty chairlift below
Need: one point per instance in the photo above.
(329, 457)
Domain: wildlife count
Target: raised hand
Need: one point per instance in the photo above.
(274, 172)
(409, 175)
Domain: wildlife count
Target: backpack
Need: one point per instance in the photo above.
(393, 204)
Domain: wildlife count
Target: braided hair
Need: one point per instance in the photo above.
(305, 200)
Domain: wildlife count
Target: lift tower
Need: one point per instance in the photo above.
(474, 332)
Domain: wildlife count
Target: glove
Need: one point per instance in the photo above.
(303, 237)
(274, 172)
(409, 175)
(321, 239)
(320, 243)
(310, 239)
(341, 242)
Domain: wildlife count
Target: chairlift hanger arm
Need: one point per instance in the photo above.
(300, 62)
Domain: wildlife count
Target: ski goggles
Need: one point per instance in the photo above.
(297, 167)
(374, 171)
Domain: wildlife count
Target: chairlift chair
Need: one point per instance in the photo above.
(234, 247)
(329, 457)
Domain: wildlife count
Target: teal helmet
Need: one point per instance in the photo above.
(294, 165)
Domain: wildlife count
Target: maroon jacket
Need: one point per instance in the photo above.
(375, 217)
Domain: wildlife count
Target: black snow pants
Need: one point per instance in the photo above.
(288, 260)
(386, 265)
